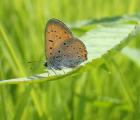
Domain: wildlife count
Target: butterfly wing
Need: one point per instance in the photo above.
(56, 33)
(70, 54)
(74, 53)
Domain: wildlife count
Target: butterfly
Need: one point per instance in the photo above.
(62, 49)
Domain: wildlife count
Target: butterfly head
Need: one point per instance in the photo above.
(46, 64)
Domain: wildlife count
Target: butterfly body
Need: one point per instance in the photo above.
(62, 49)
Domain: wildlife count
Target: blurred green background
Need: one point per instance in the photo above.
(110, 91)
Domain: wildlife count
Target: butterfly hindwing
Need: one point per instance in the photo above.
(70, 54)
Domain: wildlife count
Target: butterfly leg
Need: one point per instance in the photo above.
(63, 71)
(53, 71)
(48, 73)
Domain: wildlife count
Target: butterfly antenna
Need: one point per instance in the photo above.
(35, 61)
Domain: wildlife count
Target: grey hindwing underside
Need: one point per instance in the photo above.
(69, 54)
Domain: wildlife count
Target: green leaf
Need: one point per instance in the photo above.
(100, 41)
(133, 54)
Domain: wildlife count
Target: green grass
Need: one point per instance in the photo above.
(108, 91)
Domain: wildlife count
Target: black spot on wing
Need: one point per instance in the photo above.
(51, 40)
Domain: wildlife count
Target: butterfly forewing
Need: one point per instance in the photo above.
(55, 34)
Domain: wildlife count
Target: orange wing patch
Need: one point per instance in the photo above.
(55, 34)
(77, 49)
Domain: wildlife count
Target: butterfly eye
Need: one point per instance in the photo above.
(46, 64)
(64, 43)
(59, 51)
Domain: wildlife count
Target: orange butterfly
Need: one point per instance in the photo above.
(62, 49)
